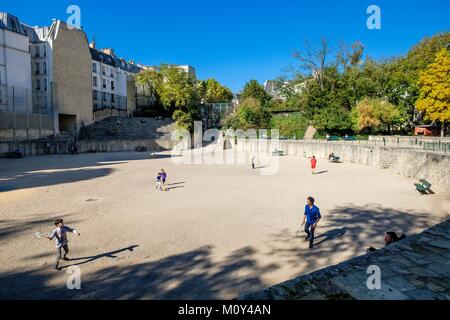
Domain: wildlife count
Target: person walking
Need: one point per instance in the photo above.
(311, 218)
(313, 164)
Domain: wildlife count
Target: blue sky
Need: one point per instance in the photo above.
(235, 41)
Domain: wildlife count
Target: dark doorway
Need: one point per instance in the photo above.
(67, 123)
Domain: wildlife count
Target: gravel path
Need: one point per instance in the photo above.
(221, 231)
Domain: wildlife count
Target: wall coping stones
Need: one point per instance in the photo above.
(417, 274)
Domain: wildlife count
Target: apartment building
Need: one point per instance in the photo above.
(114, 92)
(52, 80)
(15, 66)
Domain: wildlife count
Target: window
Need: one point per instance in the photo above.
(94, 81)
(112, 85)
(38, 84)
(45, 67)
(94, 94)
(38, 54)
(104, 96)
(104, 83)
(112, 73)
(13, 25)
(45, 84)
(94, 67)
(37, 68)
(104, 70)
(45, 50)
(112, 98)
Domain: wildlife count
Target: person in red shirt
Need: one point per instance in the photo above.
(313, 164)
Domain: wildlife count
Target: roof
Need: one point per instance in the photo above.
(114, 61)
(102, 57)
(11, 23)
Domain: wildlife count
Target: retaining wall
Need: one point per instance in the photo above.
(83, 146)
(418, 164)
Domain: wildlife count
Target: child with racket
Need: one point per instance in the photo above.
(161, 180)
(60, 236)
(313, 164)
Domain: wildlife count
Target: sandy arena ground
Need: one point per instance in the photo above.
(219, 232)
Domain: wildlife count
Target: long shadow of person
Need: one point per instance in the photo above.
(111, 255)
(330, 235)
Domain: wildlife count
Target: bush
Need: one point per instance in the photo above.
(290, 125)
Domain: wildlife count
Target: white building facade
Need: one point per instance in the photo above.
(15, 66)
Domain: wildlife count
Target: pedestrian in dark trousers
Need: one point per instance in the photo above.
(61, 242)
(310, 219)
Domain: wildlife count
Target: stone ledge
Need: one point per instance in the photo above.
(416, 268)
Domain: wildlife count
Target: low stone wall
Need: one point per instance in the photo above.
(23, 134)
(83, 146)
(123, 145)
(415, 163)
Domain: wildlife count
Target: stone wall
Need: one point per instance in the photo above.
(414, 163)
(63, 147)
(415, 268)
(23, 134)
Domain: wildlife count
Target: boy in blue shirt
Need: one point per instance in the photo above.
(310, 219)
(161, 180)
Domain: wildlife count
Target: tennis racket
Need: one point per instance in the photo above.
(40, 235)
(298, 232)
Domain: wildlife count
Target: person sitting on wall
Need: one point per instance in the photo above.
(331, 156)
(389, 238)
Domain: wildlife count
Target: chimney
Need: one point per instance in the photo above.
(92, 44)
(108, 51)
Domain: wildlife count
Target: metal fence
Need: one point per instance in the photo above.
(434, 146)
(437, 146)
(15, 99)
(103, 100)
(25, 100)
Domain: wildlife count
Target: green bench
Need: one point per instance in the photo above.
(424, 187)
(335, 159)
(278, 153)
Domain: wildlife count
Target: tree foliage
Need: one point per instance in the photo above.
(434, 84)
(250, 114)
(253, 89)
(211, 91)
(375, 116)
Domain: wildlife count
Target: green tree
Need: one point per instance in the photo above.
(250, 114)
(178, 89)
(211, 91)
(375, 115)
(434, 84)
(290, 125)
(183, 120)
(333, 119)
(253, 89)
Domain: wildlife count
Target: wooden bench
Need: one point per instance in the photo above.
(424, 187)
